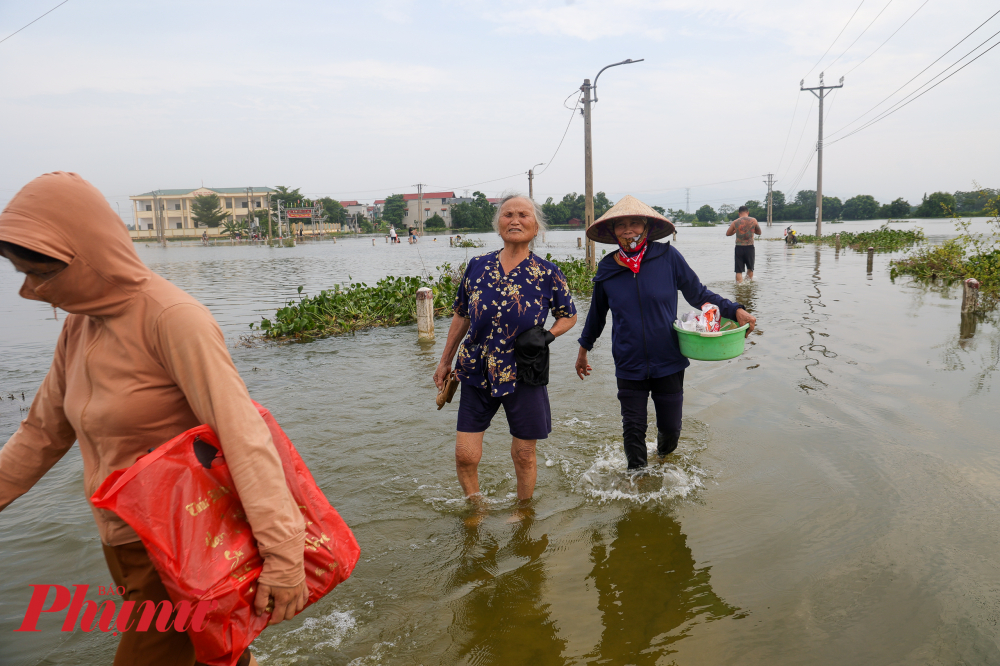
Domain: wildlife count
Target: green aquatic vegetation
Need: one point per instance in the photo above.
(469, 242)
(356, 306)
(970, 255)
(882, 239)
(579, 275)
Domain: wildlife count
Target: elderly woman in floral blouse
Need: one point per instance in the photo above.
(502, 295)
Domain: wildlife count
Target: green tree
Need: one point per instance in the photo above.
(757, 210)
(974, 201)
(706, 214)
(290, 198)
(393, 209)
(477, 214)
(435, 221)
(832, 208)
(777, 205)
(207, 210)
(335, 213)
(659, 209)
(601, 204)
(939, 204)
(366, 226)
(231, 227)
(898, 208)
(861, 207)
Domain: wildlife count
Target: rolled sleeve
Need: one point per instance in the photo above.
(193, 351)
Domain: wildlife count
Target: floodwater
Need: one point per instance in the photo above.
(833, 499)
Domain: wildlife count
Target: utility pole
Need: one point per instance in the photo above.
(531, 176)
(687, 206)
(770, 185)
(269, 234)
(158, 219)
(420, 207)
(820, 93)
(588, 157)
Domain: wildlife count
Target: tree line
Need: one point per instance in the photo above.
(860, 207)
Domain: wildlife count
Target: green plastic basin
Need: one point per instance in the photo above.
(712, 346)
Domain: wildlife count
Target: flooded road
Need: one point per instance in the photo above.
(833, 498)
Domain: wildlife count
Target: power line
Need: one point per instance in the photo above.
(789, 134)
(572, 114)
(887, 40)
(859, 36)
(898, 106)
(834, 40)
(938, 59)
(799, 144)
(36, 20)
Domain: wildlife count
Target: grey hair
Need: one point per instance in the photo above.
(536, 208)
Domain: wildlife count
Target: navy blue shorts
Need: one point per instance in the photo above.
(527, 410)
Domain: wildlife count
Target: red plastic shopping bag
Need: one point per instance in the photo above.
(181, 501)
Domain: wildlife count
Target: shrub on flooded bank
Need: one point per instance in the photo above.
(883, 238)
(390, 302)
(970, 255)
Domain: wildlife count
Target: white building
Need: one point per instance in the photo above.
(175, 207)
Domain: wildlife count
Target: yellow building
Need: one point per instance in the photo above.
(175, 209)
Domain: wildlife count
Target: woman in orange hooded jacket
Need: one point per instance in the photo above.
(138, 362)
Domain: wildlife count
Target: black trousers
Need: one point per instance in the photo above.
(668, 398)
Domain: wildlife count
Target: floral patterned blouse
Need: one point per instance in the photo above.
(500, 307)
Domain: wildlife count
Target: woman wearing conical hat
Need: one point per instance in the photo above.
(639, 284)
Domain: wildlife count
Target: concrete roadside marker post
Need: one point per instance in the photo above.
(838, 241)
(871, 259)
(425, 314)
(970, 295)
(579, 241)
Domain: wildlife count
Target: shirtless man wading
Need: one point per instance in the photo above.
(744, 227)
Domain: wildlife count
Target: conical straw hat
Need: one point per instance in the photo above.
(602, 231)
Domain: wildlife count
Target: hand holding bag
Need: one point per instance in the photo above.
(181, 501)
(531, 355)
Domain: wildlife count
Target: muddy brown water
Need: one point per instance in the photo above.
(833, 499)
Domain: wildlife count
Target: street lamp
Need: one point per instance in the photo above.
(588, 154)
(531, 175)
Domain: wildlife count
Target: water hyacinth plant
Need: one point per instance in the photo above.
(356, 306)
(882, 239)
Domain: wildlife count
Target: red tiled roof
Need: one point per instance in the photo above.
(493, 201)
(348, 203)
(379, 202)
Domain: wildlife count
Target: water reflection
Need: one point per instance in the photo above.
(501, 617)
(814, 316)
(649, 586)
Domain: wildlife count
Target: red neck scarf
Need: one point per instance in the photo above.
(635, 260)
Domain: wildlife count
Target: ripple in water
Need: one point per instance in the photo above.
(608, 480)
(314, 636)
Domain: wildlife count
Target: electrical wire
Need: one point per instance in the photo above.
(834, 40)
(799, 143)
(36, 20)
(899, 105)
(887, 40)
(938, 59)
(789, 134)
(859, 36)
(572, 115)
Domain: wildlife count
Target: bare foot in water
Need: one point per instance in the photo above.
(478, 508)
(522, 511)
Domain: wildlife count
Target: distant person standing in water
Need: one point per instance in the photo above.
(744, 227)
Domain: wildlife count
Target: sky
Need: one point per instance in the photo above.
(362, 100)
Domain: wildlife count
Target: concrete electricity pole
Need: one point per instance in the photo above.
(770, 186)
(531, 176)
(687, 206)
(420, 208)
(588, 157)
(820, 93)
